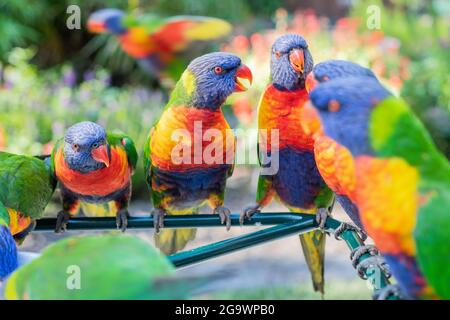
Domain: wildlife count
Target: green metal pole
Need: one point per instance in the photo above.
(184, 221)
(241, 242)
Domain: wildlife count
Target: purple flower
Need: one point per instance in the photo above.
(69, 77)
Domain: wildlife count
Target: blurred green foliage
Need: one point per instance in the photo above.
(424, 33)
(36, 106)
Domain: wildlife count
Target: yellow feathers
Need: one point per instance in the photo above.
(384, 118)
(387, 198)
(188, 79)
(108, 209)
(209, 29)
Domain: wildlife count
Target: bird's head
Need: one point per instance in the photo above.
(291, 62)
(332, 69)
(85, 147)
(210, 79)
(106, 20)
(345, 106)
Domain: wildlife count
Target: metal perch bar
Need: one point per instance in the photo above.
(284, 224)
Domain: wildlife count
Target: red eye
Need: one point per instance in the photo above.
(218, 70)
(278, 54)
(75, 147)
(334, 106)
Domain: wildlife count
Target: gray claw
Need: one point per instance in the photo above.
(225, 216)
(122, 220)
(362, 250)
(249, 212)
(391, 290)
(372, 263)
(158, 219)
(347, 226)
(321, 217)
(61, 222)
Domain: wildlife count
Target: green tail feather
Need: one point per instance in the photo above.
(170, 241)
(313, 244)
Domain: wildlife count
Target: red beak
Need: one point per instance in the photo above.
(311, 82)
(96, 26)
(100, 154)
(244, 78)
(297, 59)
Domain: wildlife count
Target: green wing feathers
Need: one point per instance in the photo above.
(396, 131)
(27, 183)
(125, 142)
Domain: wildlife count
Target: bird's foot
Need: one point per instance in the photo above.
(249, 212)
(372, 263)
(321, 217)
(391, 290)
(225, 216)
(347, 226)
(61, 221)
(122, 219)
(158, 219)
(362, 250)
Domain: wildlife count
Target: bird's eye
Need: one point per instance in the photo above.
(95, 145)
(334, 106)
(218, 70)
(278, 54)
(75, 147)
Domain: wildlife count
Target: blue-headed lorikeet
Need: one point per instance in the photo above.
(26, 186)
(402, 182)
(296, 182)
(324, 148)
(140, 272)
(156, 42)
(94, 171)
(189, 153)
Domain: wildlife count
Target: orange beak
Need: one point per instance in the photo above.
(244, 78)
(96, 26)
(311, 82)
(100, 154)
(297, 59)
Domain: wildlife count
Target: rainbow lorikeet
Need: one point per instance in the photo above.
(141, 272)
(295, 180)
(94, 171)
(157, 42)
(402, 181)
(325, 148)
(27, 185)
(189, 153)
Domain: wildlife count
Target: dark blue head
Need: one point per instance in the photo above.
(211, 78)
(290, 63)
(85, 147)
(106, 20)
(345, 106)
(332, 69)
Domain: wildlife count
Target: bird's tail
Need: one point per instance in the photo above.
(170, 241)
(313, 244)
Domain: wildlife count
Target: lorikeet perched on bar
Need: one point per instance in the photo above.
(189, 153)
(295, 180)
(88, 267)
(325, 149)
(156, 42)
(94, 171)
(27, 184)
(402, 185)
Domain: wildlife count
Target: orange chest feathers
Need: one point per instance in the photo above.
(99, 182)
(284, 111)
(188, 137)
